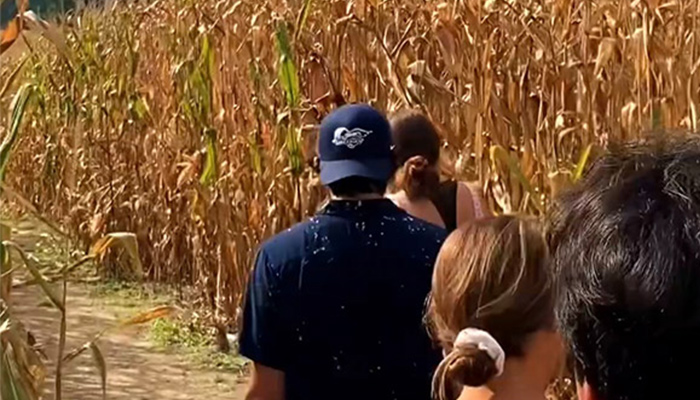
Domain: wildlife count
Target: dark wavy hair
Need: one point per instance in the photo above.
(417, 152)
(626, 249)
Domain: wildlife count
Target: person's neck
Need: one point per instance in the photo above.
(522, 379)
(359, 197)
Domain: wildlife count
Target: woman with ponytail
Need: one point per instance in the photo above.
(419, 189)
(491, 311)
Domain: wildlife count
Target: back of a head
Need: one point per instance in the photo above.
(491, 275)
(417, 152)
(626, 249)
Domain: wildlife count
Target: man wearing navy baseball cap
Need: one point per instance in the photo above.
(334, 305)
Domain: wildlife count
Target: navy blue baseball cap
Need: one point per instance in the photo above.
(355, 141)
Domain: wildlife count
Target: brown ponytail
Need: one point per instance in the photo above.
(462, 367)
(417, 151)
(418, 178)
(491, 275)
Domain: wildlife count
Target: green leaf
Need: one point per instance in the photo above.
(287, 70)
(139, 108)
(301, 20)
(10, 385)
(203, 74)
(19, 106)
(656, 118)
(294, 151)
(209, 173)
(581, 164)
(498, 153)
(255, 154)
(206, 58)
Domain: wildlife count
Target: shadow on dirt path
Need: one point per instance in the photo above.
(136, 370)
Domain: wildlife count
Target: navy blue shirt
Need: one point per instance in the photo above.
(337, 304)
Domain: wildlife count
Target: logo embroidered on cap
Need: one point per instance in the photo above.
(350, 138)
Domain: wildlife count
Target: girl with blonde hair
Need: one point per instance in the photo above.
(491, 310)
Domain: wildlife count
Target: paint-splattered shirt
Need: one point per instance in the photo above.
(337, 303)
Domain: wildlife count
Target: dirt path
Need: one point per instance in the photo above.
(136, 369)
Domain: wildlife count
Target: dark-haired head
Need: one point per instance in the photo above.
(626, 248)
(417, 151)
(492, 275)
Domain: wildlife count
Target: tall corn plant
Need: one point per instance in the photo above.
(523, 92)
(22, 372)
(289, 80)
(19, 106)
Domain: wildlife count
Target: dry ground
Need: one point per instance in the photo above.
(136, 369)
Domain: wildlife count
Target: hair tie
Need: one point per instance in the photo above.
(483, 341)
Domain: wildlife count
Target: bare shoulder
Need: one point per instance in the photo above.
(467, 189)
(471, 186)
(399, 198)
(470, 203)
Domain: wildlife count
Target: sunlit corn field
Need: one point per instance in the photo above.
(192, 123)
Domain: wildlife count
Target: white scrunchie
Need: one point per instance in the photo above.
(483, 341)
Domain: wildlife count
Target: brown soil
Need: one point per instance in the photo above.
(136, 370)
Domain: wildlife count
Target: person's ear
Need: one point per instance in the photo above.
(585, 392)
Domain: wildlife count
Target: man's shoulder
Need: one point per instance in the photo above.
(288, 243)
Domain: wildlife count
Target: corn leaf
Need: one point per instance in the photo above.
(5, 327)
(30, 264)
(101, 366)
(255, 154)
(287, 70)
(203, 75)
(656, 118)
(209, 173)
(11, 78)
(142, 318)
(27, 205)
(19, 106)
(5, 265)
(139, 108)
(100, 247)
(4, 257)
(498, 153)
(294, 151)
(581, 164)
(301, 20)
(127, 241)
(21, 371)
(75, 353)
(68, 268)
(147, 316)
(10, 384)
